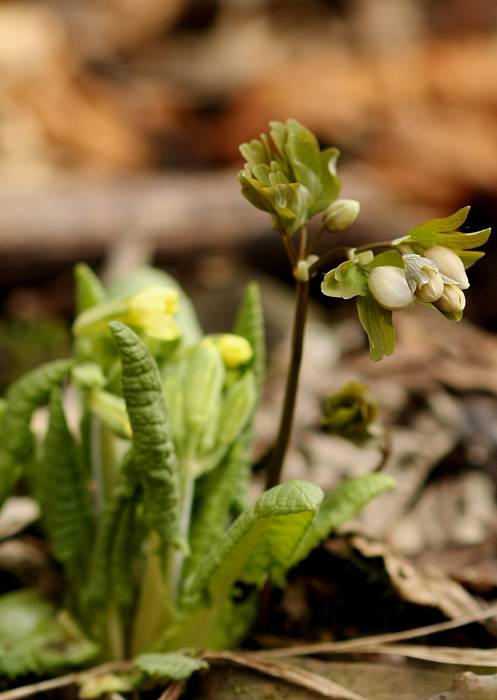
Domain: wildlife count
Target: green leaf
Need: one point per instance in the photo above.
(438, 226)
(469, 257)
(35, 640)
(154, 459)
(345, 281)
(290, 203)
(453, 239)
(260, 543)
(390, 258)
(254, 191)
(339, 506)
(236, 409)
(89, 290)
(23, 398)
(65, 498)
(378, 324)
(249, 324)
(254, 152)
(174, 666)
(302, 149)
(111, 571)
(330, 182)
(215, 492)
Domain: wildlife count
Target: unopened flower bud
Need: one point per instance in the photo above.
(341, 214)
(389, 287)
(449, 264)
(452, 299)
(235, 350)
(432, 290)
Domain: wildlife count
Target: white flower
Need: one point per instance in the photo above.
(389, 287)
(449, 264)
(452, 299)
(423, 277)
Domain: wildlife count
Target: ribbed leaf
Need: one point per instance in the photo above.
(211, 514)
(110, 571)
(260, 543)
(154, 460)
(174, 666)
(342, 504)
(89, 290)
(64, 493)
(23, 398)
(378, 324)
(249, 324)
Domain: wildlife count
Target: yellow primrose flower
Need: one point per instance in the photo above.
(234, 349)
(152, 309)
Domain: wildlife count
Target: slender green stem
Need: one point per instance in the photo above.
(287, 413)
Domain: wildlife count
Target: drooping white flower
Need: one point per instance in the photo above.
(341, 214)
(423, 277)
(449, 264)
(389, 287)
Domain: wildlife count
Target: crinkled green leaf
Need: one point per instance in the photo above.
(249, 324)
(290, 205)
(212, 507)
(254, 152)
(236, 409)
(339, 506)
(154, 458)
(254, 192)
(64, 491)
(23, 398)
(89, 290)
(173, 666)
(378, 324)
(260, 543)
(345, 281)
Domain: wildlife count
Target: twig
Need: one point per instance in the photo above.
(286, 672)
(25, 691)
(173, 691)
(364, 642)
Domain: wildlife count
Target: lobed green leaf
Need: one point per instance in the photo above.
(173, 666)
(345, 281)
(378, 324)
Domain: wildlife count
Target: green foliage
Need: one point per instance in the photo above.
(89, 290)
(342, 504)
(378, 324)
(288, 176)
(249, 324)
(350, 412)
(34, 640)
(154, 460)
(64, 492)
(345, 281)
(173, 666)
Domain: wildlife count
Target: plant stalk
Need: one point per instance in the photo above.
(286, 420)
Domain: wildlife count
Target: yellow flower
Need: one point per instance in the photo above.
(234, 349)
(152, 309)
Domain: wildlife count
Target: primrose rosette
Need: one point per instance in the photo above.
(426, 266)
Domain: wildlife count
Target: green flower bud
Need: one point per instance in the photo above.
(341, 214)
(452, 299)
(350, 413)
(389, 287)
(449, 264)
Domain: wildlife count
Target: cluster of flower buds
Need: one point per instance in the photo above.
(437, 277)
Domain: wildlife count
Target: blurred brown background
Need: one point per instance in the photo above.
(120, 121)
